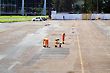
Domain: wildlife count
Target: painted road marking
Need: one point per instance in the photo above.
(2, 56)
(80, 54)
(13, 65)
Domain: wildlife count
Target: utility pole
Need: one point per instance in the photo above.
(44, 8)
(22, 8)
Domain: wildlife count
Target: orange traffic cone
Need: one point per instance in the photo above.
(44, 45)
(45, 42)
(63, 38)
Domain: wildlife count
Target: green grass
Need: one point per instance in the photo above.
(9, 19)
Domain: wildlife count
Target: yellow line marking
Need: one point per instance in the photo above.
(80, 55)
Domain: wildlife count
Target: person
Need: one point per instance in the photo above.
(63, 17)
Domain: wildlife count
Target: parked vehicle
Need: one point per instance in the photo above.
(39, 19)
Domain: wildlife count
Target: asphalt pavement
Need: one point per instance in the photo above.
(86, 48)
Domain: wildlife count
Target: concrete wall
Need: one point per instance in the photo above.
(66, 16)
(101, 16)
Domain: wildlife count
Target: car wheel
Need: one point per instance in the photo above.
(33, 20)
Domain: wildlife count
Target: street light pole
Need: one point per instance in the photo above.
(22, 8)
(44, 8)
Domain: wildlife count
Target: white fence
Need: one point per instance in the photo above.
(101, 16)
(61, 16)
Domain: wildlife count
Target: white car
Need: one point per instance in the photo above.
(39, 19)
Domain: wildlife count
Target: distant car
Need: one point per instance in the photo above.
(39, 19)
(71, 12)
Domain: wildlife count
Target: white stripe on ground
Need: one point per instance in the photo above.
(80, 54)
(13, 65)
(2, 56)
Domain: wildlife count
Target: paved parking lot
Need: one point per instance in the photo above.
(86, 48)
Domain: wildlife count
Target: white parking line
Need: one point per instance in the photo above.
(2, 56)
(80, 53)
(13, 65)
